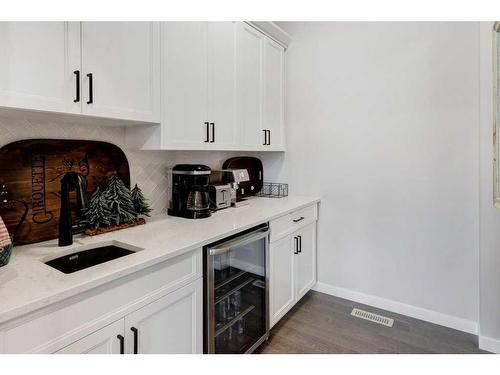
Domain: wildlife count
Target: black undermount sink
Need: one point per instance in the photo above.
(87, 258)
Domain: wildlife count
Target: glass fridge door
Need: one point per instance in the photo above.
(239, 295)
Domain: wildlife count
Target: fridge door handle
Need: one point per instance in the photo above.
(237, 242)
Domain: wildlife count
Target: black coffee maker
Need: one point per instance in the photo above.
(190, 198)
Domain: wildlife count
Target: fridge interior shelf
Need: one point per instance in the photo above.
(236, 318)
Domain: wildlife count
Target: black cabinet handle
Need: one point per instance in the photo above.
(296, 251)
(91, 88)
(299, 219)
(122, 343)
(207, 129)
(267, 137)
(212, 124)
(77, 96)
(136, 339)
(300, 243)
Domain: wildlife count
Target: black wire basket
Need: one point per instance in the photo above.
(273, 190)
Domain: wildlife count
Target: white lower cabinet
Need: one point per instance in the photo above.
(282, 275)
(159, 309)
(161, 303)
(305, 265)
(171, 325)
(107, 340)
(293, 268)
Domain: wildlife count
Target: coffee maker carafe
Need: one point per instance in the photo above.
(190, 198)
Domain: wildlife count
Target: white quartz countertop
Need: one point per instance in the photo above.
(27, 284)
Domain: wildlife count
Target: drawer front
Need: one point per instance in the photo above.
(65, 322)
(289, 223)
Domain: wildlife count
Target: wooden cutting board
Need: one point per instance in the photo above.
(32, 170)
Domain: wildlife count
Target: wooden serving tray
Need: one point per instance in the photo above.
(32, 170)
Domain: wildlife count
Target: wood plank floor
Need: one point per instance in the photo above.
(321, 323)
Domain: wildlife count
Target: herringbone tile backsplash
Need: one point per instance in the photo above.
(147, 168)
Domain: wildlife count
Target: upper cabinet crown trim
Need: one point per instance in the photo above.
(273, 31)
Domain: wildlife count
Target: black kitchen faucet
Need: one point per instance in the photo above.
(71, 181)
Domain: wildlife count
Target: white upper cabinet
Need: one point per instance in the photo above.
(184, 85)
(221, 83)
(120, 65)
(37, 61)
(209, 85)
(105, 69)
(249, 86)
(198, 85)
(273, 112)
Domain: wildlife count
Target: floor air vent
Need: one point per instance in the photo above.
(379, 319)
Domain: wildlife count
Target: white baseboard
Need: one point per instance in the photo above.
(489, 344)
(435, 317)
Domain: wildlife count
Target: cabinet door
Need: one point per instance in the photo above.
(273, 116)
(249, 86)
(37, 61)
(305, 260)
(281, 278)
(124, 60)
(171, 324)
(221, 83)
(184, 85)
(107, 340)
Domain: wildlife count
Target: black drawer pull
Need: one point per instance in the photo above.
(136, 339)
(91, 88)
(299, 219)
(122, 343)
(77, 96)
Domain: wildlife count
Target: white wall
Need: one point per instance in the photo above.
(489, 322)
(382, 122)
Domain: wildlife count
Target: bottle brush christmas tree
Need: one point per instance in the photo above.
(119, 200)
(98, 212)
(141, 207)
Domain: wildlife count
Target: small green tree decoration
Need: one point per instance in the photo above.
(141, 207)
(98, 212)
(120, 201)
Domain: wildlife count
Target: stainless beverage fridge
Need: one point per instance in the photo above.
(236, 292)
